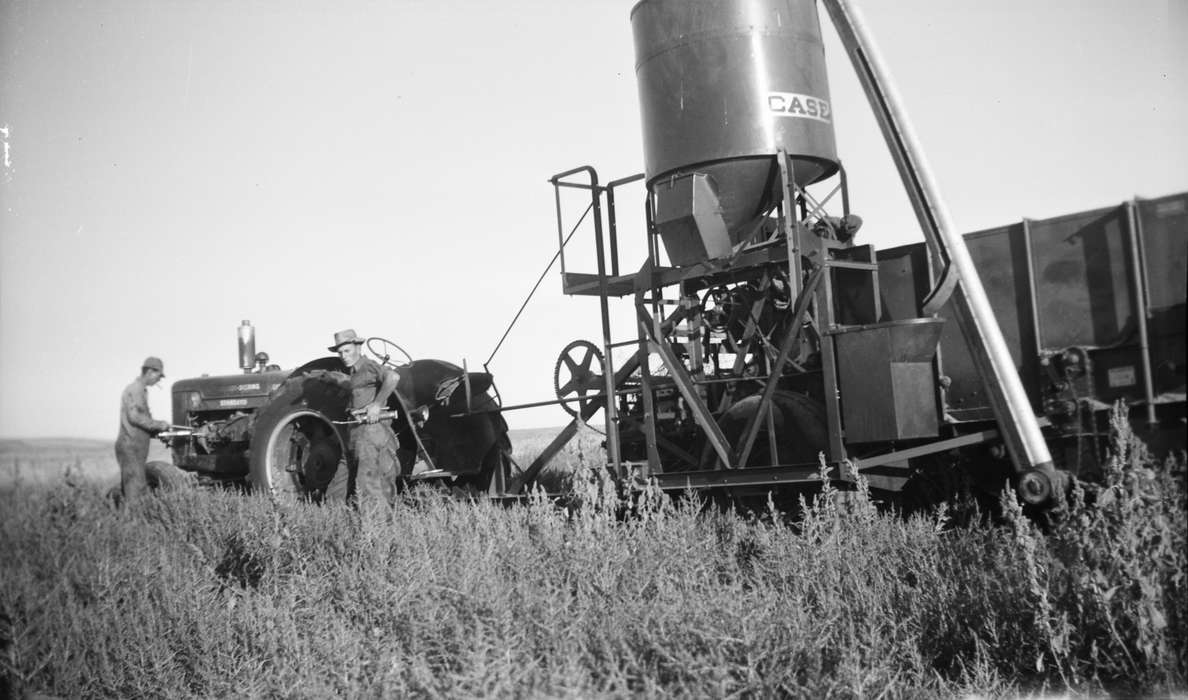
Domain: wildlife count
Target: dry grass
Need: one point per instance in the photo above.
(201, 593)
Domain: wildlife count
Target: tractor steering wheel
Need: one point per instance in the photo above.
(386, 348)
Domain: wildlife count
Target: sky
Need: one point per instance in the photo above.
(173, 168)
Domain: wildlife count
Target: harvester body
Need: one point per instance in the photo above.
(769, 339)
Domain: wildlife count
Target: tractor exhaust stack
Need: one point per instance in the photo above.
(247, 346)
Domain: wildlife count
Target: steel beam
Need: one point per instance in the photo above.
(924, 450)
(753, 476)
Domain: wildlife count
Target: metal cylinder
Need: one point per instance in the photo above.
(247, 346)
(722, 87)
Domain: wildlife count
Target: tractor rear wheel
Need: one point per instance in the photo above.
(295, 445)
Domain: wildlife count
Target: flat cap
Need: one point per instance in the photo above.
(151, 362)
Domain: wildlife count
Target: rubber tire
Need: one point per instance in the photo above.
(162, 476)
(496, 461)
(158, 476)
(800, 422)
(318, 394)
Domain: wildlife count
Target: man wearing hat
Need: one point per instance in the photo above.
(137, 427)
(372, 476)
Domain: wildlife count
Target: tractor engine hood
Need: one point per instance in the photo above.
(232, 392)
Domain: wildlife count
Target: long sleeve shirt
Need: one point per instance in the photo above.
(136, 422)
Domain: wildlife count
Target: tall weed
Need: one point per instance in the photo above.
(605, 593)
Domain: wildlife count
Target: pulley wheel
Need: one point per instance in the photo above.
(579, 374)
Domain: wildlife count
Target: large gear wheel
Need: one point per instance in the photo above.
(573, 376)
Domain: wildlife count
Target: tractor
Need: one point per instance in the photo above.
(284, 432)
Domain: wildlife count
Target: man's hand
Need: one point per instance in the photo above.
(373, 412)
(159, 426)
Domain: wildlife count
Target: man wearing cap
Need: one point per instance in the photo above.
(372, 476)
(137, 427)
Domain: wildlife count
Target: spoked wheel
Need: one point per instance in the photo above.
(580, 374)
(296, 447)
(384, 350)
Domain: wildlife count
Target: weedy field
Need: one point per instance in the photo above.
(199, 593)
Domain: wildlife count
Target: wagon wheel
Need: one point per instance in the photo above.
(383, 349)
(573, 376)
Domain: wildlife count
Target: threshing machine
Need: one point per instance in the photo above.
(768, 334)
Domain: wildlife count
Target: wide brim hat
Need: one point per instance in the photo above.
(343, 337)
